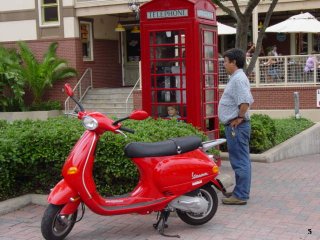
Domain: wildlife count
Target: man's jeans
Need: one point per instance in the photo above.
(239, 156)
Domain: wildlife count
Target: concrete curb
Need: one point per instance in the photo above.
(20, 202)
(305, 143)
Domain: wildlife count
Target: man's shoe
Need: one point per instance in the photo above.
(227, 194)
(233, 201)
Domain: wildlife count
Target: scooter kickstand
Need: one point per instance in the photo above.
(162, 223)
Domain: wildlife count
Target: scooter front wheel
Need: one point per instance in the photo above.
(209, 194)
(55, 226)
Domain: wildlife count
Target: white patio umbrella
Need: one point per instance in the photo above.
(225, 29)
(301, 23)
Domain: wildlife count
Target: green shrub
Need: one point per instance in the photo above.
(32, 153)
(40, 75)
(262, 133)
(289, 127)
(11, 84)
(3, 124)
(45, 106)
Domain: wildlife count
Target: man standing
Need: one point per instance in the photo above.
(233, 113)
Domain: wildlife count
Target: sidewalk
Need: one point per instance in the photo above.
(284, 204)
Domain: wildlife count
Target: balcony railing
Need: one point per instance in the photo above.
(280, 70)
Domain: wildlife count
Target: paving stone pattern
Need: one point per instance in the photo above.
(284, 204)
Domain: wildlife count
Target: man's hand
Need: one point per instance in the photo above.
(236, 122)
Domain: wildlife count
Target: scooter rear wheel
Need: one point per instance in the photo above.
(54, 226)
(208, 193)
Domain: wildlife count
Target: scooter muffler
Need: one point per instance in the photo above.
(190, 204)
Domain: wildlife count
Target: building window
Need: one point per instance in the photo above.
(86, 40)
(49, 12)
(133, 46)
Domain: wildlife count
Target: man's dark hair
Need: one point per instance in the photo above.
(237, 55)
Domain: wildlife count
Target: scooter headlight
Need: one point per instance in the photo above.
(89, 123)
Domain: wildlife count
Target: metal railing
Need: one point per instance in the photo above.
(278, 71)
(135, 85)
(80, 90)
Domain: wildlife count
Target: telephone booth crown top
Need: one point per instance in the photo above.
(202, 9)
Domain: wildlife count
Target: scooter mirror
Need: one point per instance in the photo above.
(138, 115)
(68, 89)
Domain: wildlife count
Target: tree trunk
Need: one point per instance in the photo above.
(260, 37)
(242, 33)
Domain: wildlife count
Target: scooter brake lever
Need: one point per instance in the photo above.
(122, 133)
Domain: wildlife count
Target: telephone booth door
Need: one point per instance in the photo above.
(168, 73)
(180, 62)
(209, 81)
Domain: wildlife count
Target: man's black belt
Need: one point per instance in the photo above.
(228, 123)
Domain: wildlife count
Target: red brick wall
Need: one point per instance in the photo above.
(282, 98)
(106, 68)
(269, 98)
(137, 99)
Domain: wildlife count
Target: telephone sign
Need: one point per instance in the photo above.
(167, 14)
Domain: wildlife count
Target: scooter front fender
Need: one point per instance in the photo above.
(61, 194)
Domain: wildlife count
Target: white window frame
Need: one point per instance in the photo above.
(42, 22)
(89, 23)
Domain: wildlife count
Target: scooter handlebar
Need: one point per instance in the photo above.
(126, 129)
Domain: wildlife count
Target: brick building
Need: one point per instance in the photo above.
(85, 32)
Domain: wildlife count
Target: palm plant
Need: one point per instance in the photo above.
(11, 85)
(41, 75)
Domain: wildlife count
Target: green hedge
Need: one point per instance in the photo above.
(32, 153)
(45, 106)
(267, 132)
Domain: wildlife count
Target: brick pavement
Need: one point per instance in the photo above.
(284, 204)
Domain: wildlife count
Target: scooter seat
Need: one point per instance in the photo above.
(169, 147)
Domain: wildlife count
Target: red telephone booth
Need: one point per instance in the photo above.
(180, 61)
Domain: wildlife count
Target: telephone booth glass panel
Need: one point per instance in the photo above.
(210, 120)
(168, 77)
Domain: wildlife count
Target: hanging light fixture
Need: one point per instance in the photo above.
(119, 28)
(135, 29)
(134, 6)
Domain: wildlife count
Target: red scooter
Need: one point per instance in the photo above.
(175, 175)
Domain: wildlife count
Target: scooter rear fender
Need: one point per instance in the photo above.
(61, 194)
(218, 184)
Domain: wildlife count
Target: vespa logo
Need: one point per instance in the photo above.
(195, 176)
